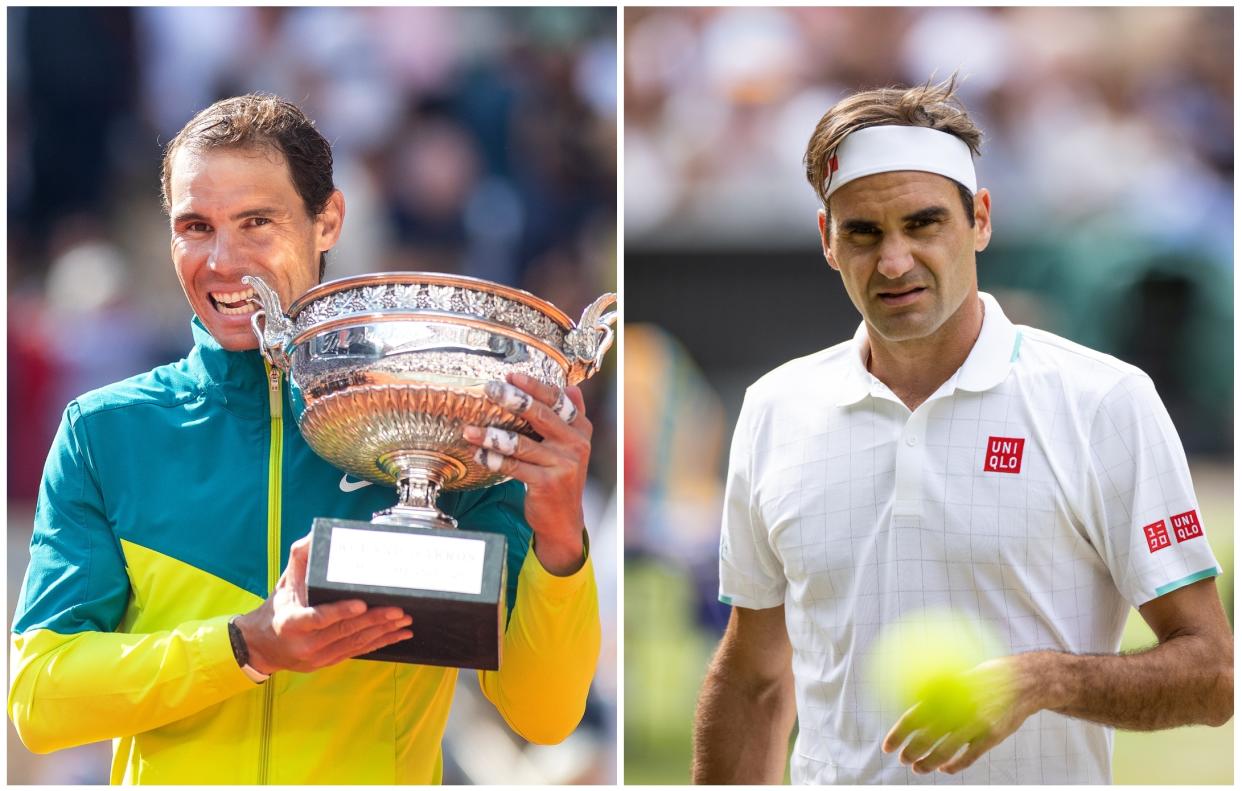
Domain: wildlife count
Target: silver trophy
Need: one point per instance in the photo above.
(384, 371)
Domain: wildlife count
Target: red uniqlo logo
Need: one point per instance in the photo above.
(1186, 526)
(1157, 536)
(1004, 454)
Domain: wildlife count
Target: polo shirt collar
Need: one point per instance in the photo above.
(994, 351)
(858, 382)
(985, 367)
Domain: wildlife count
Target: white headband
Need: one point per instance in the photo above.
(883, 149)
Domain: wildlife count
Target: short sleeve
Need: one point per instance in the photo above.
(1144, 516)
(751, 575)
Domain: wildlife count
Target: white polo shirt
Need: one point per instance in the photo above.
(1042, 489)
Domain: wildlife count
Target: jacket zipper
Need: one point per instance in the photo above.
(273, 547)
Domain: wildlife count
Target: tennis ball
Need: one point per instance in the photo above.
(926, 658)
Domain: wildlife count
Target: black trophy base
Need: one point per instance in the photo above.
(450, 584)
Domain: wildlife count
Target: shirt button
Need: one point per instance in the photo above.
(912, 440)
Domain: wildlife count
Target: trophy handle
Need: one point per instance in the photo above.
(590, 340)
(276, 330)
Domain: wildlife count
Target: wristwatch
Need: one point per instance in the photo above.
(242, 654)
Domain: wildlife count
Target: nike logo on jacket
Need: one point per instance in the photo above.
(352, 486)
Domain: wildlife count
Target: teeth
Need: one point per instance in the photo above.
(219, 298)
(232, 296)
(247, 308)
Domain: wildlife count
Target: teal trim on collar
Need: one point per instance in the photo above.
(726, 600)
(1017, 344)
(987, 365)
(1211, 571)
(990, 360)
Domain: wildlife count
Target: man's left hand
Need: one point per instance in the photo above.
(1013, 694)
(553, 470)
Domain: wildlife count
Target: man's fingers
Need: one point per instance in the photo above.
(976, 749)
(575, 394)
(948, 747)
(387, 617)
(564, 407)
(491, 459)
(498, 439)
(540, 415)
(388, 639)
(332, 621)
(323, 616)
(509, 443)
(295, 570)
(514, 399)
(909, 722)
(543, 393)
(921, 743)
(508, 465)
(366, 640)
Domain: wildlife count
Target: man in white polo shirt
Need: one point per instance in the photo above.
(946, 458)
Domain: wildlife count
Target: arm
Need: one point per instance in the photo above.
(72, 689)
(73, 679)
(1186, 679)
(550, 650)
(76, 674)
(746, 708)
(553, 638)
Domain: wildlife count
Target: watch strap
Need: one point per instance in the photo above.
(241, 654)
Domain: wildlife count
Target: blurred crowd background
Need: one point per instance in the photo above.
(470, 140)
(1108, 150)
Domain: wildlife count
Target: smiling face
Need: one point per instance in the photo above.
(236, 212)
(906, 252)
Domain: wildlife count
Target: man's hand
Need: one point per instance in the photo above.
(286, 634)
(1010, 692)
(1186, 679)
(553, 470)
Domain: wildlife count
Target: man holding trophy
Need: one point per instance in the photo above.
(166, 605)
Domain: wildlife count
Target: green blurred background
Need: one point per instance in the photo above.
(1108, 150)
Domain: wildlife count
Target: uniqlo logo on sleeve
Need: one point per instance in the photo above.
(1186, 526)
(1157, 536)
(1004, 454)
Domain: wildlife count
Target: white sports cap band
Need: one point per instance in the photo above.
(883, 149)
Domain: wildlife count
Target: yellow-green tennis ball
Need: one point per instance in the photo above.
(926, 658)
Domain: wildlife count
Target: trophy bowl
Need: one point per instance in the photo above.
(385, 369)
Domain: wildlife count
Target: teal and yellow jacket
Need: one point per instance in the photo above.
(168, 505)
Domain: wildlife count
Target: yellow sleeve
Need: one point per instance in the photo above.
(550, 651)
(71, 689)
